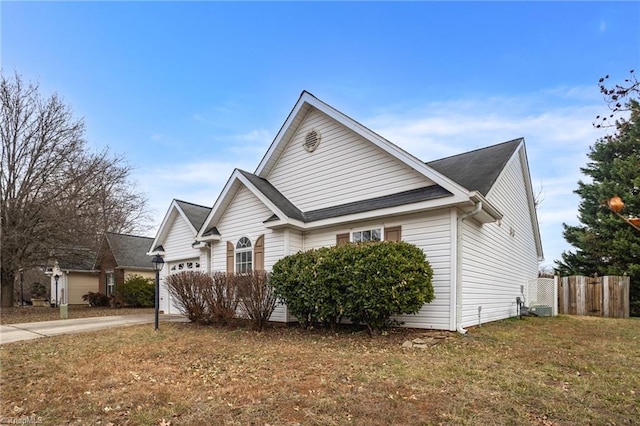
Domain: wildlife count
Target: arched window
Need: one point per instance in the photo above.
(244, 258)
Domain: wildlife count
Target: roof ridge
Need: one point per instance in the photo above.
(476, 150)
(190, 203)
(127, 235)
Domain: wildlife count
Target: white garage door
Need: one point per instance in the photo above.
(166, 301)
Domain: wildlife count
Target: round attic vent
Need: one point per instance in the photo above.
(311, 141)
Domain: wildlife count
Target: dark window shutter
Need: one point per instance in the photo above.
(393, 233)
(342, 238)
(258, 254)
(230, 260)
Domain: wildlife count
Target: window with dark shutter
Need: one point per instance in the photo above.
(230, 259)
(393, 233)
(342, 238)
(258, 254)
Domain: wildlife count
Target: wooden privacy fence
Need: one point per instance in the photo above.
(594, 296)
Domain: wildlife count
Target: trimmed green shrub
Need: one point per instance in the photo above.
(303, 281)
(137, 291)
(96, 299)
(387, 279)
(367, 283)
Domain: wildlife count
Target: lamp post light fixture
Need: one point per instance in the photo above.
(157, 263)
(56, 277)
(616, 205)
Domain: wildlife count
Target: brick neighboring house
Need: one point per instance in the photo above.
(119, 257)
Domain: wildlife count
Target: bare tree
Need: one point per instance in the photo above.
(54, 193)
(617, 98)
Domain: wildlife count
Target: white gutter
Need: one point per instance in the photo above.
(475, 211)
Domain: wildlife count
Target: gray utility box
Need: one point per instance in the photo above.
(541, 310)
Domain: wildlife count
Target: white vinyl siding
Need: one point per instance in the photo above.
(177, 244)
(177, 247)
(432, 233)
(244, 217)
(497, 263)
(296, 242)
(344, 168)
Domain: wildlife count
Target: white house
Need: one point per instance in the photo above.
(175, 242)
(326, 179)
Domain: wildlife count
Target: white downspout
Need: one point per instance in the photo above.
(459, 233)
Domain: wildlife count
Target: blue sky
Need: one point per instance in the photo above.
(187, 91)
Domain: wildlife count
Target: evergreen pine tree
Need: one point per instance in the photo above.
(605, 244)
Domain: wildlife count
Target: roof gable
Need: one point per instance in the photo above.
(455, 178)
(194, 216)
(194, 213)
(261, 188)
(306, 102)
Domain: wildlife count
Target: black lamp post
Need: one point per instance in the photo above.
(157, 263)
(56, 277)
(21, 287)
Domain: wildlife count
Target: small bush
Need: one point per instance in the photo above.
(221, 299)
(258, 299)
(191, 290)
(96, 299)
(38, 291)
(137, 291)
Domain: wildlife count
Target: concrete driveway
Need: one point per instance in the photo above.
(34, 330)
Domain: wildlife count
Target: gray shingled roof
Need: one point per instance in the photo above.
(195, 213)
(76, 259)
(393, 200)
(477, 170)
(130, 251)
(275, 196)
(399, 199)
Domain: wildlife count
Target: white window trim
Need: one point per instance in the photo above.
(237, 251)
(367, 228)
(110, 286)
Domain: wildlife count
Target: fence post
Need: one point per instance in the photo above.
(581, 284)
(555, 295)
(605, 296)
(625, 297)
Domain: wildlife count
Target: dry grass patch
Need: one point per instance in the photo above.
(17, 315)
(554, 371)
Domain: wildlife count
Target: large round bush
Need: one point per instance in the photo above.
(367, 283)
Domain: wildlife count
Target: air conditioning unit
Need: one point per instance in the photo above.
(541, 310)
